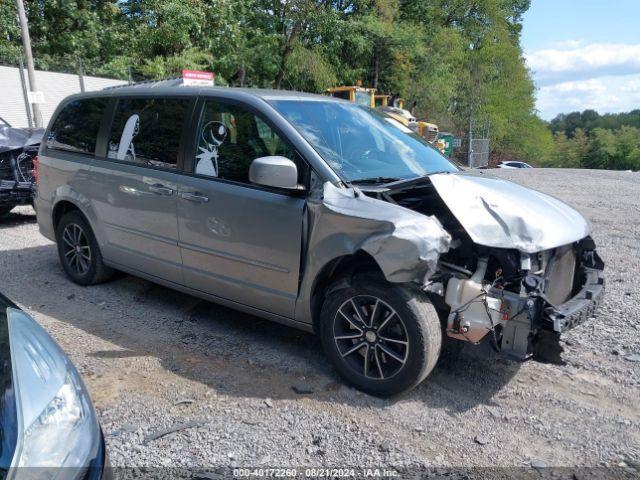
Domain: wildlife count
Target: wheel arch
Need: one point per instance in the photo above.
(66, 200)
(61, 208)
(344, 268)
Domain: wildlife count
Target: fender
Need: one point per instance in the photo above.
(405, 244)
(65, 193)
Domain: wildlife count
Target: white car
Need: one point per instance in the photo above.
(513, 164)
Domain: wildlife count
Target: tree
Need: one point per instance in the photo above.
(451, 59)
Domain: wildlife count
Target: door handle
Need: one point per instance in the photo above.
(193, 197)
(160, 190)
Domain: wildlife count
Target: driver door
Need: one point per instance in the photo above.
(238, 241)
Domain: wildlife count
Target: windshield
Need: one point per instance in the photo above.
(363, 98)
(362, 144)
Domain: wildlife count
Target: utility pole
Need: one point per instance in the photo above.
(26, 43)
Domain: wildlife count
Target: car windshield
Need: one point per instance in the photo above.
(362, 144)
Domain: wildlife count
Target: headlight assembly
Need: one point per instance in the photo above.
(57, 428)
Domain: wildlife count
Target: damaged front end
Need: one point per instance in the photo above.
(521, 267)
(18, 148)
(523, 302)
(17, 186)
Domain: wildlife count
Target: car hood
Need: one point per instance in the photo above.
(13, 138)
(502, 214)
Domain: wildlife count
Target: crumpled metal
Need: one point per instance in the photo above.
(12, 138)
(405, 244)
(502, 214)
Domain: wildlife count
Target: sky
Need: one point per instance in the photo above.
(583, 54)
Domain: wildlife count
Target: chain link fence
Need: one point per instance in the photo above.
(478, 144)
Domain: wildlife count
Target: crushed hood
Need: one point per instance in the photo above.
(502, 214)
(13, 138)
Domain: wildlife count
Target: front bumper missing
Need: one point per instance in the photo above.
(16, 193)
(580, 307)
(538, 325)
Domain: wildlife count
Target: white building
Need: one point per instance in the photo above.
(55, 87)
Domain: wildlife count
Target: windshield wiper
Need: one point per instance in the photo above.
(376, 180)
(438, 172)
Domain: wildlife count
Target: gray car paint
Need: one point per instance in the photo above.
(248, 248)
(139, 224)
(242, 243)
(12, 138)
(502, 214)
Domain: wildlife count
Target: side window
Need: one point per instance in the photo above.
(147, 131)
(76, 127)
(230, 138)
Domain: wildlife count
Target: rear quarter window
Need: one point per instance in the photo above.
(147, 131)
(75, 129)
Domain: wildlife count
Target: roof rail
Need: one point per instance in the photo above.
(165, 82)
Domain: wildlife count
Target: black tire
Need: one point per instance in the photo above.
(416, 321)
(75, 239)
(5, 209)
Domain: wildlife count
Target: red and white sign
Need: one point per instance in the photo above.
(197, 78)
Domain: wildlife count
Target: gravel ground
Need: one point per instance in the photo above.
(155, 359)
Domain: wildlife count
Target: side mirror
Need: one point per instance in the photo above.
(274, 171)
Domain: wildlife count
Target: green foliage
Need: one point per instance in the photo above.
(450, 59)
(602, 148)
(590, 120)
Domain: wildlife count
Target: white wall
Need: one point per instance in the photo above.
(56, 86)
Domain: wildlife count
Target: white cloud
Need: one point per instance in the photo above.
(577, 61)
(575, 77)
(605, 94)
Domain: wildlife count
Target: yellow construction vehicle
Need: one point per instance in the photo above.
(355, 94)
(429, 131)
(367, 96)
(381, 100)
(401, 115)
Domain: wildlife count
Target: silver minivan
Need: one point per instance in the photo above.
(316, 213)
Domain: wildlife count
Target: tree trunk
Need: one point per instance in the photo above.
(283, 64)
(243, 74)
(376, 67)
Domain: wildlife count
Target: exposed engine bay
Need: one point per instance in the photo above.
(18, 148)
(519, 301)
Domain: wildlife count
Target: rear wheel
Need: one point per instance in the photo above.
(79, 252)
(382, 338)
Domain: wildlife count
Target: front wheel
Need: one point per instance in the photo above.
(382, 338)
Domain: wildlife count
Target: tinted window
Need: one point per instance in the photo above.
(148, 131)
(76, 127)
(230, 138)
(344, 94)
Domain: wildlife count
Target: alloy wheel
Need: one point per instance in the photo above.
(76, 249)
(371, 337)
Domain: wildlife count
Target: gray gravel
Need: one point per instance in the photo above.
(181, 382)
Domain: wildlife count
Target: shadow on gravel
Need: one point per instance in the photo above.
(16, 218)
(232, 352)
(114, 354)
